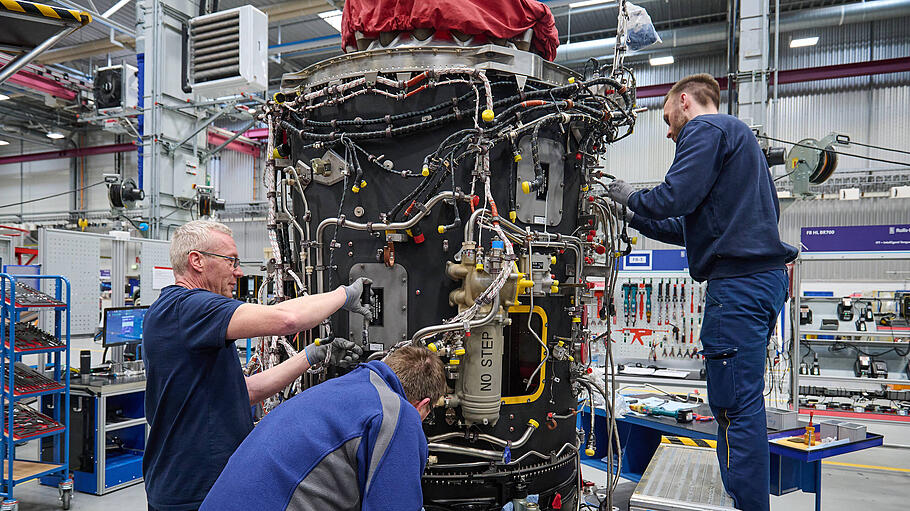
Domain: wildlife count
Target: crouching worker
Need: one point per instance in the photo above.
(350, 443)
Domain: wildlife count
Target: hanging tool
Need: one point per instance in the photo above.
(625, 302)
(667, 303)
(675, 299)
(641, 301)
(638, 334)
(660, 300)
(648, 302)
(692, 300)
(633, 303)
(691, 330)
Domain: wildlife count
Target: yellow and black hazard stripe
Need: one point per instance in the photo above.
(692, 442)
(46, 11)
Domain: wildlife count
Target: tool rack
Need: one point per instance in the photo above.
(22, 383)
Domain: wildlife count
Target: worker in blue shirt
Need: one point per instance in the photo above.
(368, 454)
(197, 400)
(719, 201)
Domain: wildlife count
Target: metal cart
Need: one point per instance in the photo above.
(22, 384)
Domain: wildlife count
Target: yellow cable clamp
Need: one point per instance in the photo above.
(526, 186)
(487, 115)
(441, 229)
(517, 157)
(425, 171)
(513, 215)
(459, 351)
(432, 347)
(533, 423)
(589, 452)
(454, 361)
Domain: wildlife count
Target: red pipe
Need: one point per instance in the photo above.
(42, 84)
(257, 133)
(217, 139)
(69, 153)
(809, 74)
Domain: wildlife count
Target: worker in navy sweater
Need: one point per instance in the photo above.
(718, 200)
(197, 399)
(350, 443)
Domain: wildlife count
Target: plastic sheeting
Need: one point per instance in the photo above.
(483, 18)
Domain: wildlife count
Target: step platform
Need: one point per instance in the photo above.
(681, 478)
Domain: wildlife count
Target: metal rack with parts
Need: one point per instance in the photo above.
(22, 384)
(849, 355)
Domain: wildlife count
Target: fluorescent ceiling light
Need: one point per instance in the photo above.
(3, 97)
(806, 41)
(661, 61)
(4, 142)
(333, 18)
(114, 8)
(55, 135)
(586, 3)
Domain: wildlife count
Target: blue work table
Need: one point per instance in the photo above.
(639, 436)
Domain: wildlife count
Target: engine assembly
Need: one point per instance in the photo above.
(465, 182)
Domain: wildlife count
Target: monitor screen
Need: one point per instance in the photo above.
(123, 325)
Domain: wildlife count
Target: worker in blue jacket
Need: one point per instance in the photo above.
(719, 201)
(350, 443)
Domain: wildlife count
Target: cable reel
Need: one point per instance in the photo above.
(122, 194)
(813, 161)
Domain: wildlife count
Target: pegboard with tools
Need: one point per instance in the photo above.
(658, 309)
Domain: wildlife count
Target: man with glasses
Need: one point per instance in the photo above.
(197, 400)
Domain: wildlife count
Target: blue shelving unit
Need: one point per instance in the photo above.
(52, 390)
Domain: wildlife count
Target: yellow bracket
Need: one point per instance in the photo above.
(530, 398)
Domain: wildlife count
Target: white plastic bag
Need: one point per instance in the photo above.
(640, 32)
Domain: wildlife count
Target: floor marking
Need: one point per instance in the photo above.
(874, 467)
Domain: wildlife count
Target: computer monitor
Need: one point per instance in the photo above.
(123, 325)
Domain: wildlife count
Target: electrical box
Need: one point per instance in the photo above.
(228, 52)
(116, 88)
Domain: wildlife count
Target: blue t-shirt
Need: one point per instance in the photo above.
(196, 400)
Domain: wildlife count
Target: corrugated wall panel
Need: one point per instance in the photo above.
(233, 174)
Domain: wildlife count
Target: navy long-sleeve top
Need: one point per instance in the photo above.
(718, 200)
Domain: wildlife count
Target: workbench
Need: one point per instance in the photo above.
(109, 432)
(791, 469)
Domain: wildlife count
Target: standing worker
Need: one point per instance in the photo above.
(719, 201)
(366, 455)
(197, 400)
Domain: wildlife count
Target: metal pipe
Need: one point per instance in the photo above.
(378, 226)
(715, 32)
(428, 331)
(22, 60)
(489, 438)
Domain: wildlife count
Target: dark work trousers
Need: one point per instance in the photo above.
(740, 313)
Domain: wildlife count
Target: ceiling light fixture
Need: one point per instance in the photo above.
(3, 97)
(806, 41)
(661, 61)
(4, 142)
(586, 3)
(55, 135)
(333, 18)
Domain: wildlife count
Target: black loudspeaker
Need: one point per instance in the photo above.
(85, 362)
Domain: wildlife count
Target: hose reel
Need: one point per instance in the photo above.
(122, 194)
(813, 162)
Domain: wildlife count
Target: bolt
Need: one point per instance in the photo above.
(350, 254)
(404, 307)
(417, 292)
(511, 429)
(350, 243)
(511, 416)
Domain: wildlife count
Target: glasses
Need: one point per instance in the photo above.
(235, 261)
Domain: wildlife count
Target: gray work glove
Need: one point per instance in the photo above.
(352, 295)
(617, 212)
(339, 352)
(620, 191)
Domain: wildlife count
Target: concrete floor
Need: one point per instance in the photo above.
(845, 488)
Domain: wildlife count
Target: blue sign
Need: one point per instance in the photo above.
(655, 260)
(856, 238)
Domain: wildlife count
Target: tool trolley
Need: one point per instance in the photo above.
(27, 390)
